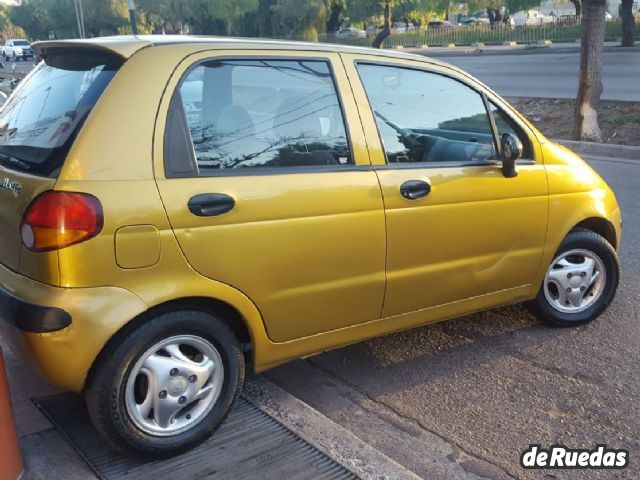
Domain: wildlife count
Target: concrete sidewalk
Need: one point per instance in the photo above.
(47, 454)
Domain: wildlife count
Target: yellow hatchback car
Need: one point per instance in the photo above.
(173, 208)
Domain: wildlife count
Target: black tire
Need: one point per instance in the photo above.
(105, 388)
(598, 245)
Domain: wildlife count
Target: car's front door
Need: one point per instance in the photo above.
(456, 227)
(268, 187)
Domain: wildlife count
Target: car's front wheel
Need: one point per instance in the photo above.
(580, 282)
(167, 385)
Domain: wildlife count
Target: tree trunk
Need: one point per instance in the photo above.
(578, 5)
(590, 78)
(386, 30)
(333, 22)
(492, 16)
(628, 23)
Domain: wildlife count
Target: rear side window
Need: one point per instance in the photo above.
(41, 120)
(255, 114)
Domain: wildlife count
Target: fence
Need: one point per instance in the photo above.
(461, 35)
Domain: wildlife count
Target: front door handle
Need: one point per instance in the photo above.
(415, 189)
(211, 204)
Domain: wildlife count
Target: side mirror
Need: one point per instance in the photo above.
(511, 150)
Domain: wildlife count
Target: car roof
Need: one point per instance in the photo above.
(127, 45)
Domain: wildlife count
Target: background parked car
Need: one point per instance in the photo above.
(475, 22)
(16, 49)
(352, 32)
(399, 27)
(437, 23)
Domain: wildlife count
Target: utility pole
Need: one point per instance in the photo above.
(132, 17)
(79, 17)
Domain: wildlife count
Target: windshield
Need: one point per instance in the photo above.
(21, 43)
(42, 118)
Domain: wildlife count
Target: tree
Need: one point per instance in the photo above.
(519, 5)
(32, 16)
(204, 16)
(386, 28)
(300, 18)
(628, 23)
(578, 5)
(590, 77)
(334, 9)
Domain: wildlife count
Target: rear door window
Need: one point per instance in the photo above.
(257, 114)
(42, 118)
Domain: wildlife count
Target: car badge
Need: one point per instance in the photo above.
(12, 186)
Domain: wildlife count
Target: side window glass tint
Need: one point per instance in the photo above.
(426, 117)
(264, 114)
(506, 124)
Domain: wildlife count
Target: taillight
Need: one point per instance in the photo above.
(56, 220)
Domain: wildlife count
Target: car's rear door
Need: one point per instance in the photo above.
(264, 173)
(457, 229)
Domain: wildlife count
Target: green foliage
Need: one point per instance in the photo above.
(39, 17)
(4, 17)
(295, 17)
(517, 5)
(33, 16)
(267, 18)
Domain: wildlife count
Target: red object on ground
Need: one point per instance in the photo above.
(11, 466)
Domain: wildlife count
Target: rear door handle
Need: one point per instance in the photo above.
(211, 204)
(415, 189)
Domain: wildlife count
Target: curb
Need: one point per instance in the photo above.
(323, 433)
(625, 152)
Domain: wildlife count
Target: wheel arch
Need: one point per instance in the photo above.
(601, 226)
(224, 311)
(574, 217)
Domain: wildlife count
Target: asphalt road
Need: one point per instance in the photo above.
(464, 398)
(551, 75)
(21, 66)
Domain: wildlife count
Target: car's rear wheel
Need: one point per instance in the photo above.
(580, 282)
(167, 385)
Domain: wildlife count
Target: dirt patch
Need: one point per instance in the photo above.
(619, 121)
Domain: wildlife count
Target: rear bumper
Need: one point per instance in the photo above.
(30, 317)
(61, 330)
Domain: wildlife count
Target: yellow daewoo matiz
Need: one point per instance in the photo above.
(173, 207)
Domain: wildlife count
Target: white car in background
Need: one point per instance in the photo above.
(16, 49)
(352, 32)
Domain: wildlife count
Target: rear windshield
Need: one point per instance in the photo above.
(41, 120)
